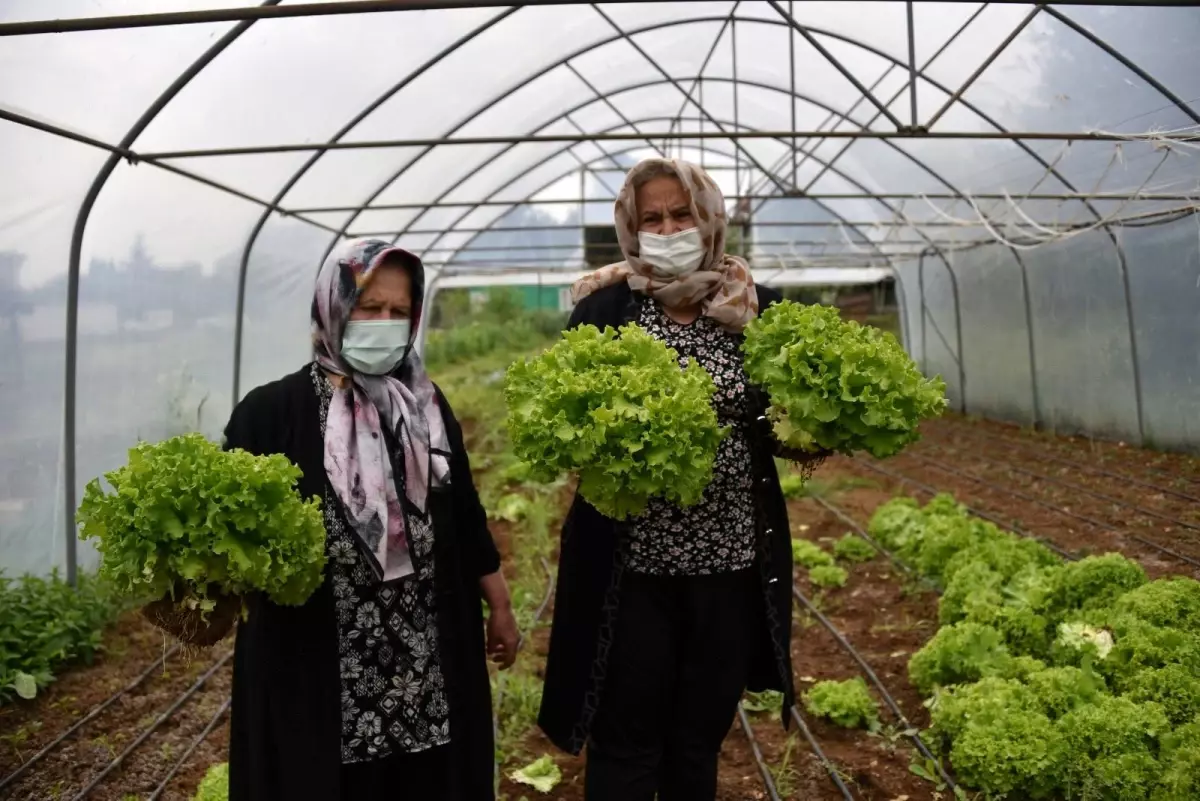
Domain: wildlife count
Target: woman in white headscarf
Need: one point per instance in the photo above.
(660, 625)
(377, 687)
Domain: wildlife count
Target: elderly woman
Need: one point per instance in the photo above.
(661, 624)
(377, 687)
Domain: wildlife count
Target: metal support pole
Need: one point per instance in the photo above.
(73, 269)
(792, 86)
(912, 66)
(924, 314)
(737, 125)
(1033, 365)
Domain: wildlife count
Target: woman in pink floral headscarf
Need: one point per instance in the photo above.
(377, 687)
(661, 624)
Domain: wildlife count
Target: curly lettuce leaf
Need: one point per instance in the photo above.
(618, 409)
(185, 514)
(542, 774)
(837, 385)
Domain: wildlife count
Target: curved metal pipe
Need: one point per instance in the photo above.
(605, 154)
(243, 269)
(624, 35)
(81, 219)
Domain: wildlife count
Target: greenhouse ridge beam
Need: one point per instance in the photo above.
(1145, 218)
(239, 14)
(1052, 136)
(1063, 196)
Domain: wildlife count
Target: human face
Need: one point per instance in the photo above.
(387, 296)
(663, 207)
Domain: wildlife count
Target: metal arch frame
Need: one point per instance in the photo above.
(76, 254)
(546, 69)
(636, 87)
(810, 29)
(1122, 261)
(932, 246)
(958, 96)
(314, 9)
(605, 155)
(266, 10)
(732, 19)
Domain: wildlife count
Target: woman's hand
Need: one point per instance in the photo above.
(502, 636)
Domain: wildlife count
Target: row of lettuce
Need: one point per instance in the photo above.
(1046, 678)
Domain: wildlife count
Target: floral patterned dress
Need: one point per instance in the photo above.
(716, 535)
(393, 691)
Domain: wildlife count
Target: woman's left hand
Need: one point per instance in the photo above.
(502, 637)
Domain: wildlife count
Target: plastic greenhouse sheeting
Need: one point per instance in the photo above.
(201, 213)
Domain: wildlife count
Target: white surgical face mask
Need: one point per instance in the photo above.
(375, 347)
(674, 256)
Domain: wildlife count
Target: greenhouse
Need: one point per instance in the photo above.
(1011, 189)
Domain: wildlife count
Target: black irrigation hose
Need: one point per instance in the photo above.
(816, 747)
(912, 734)
(1042, 455)
(160, 720)
(1059, 509)
(200, 738)
(89, 717)
(767, 778)
(932, 490)
(862, 532)
(1166, 474)
(1098, 495)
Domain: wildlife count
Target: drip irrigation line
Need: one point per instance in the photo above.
(1059, 509)
(768, 779)
(1090, 492)
(1007, 525)
(159, 721)
(888, 700)
(816, 747)
(1165, 474)
(89, 717)
(1044, 456)
(862, 532)
(200, 738)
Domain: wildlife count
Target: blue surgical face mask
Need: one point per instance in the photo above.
(375, 347)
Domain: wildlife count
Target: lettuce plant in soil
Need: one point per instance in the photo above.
(837, 385)
(188, 520)
(618, 409)
(847, 703)
(1095, 695)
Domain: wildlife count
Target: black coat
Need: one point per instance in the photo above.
(591, 562)
(285, 742)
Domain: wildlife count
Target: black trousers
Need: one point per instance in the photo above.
(677, 668)
(424, 776)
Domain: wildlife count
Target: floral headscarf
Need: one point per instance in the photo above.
(356, 455)
(722, 285)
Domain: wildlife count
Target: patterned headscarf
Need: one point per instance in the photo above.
(356, 455)
(722, 285)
